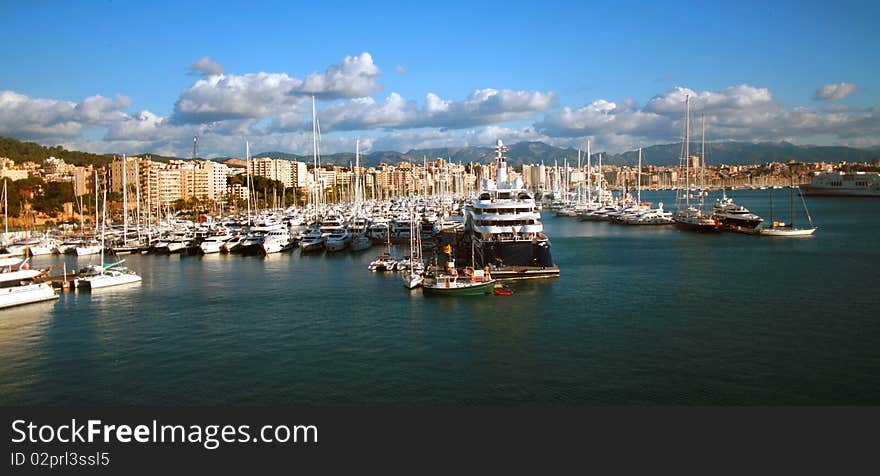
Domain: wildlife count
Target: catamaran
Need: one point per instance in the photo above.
(106, 275)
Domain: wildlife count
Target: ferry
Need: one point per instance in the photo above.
(844, 184)
(505, 228)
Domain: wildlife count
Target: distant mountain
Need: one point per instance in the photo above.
(744, 153)
(731, 153)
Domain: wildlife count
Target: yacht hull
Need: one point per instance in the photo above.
(27, 294)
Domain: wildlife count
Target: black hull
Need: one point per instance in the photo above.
(734, 223)
(697, 227)
(513, 254)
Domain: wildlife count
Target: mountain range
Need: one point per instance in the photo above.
(730, 153)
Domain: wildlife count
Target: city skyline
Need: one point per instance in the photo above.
(402, 76)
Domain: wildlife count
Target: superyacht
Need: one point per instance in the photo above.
(505, 227)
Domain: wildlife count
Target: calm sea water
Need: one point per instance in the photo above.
(640, 315)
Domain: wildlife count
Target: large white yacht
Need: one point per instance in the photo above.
(856, 184)
(505, 226)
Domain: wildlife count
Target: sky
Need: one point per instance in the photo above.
(135, 77)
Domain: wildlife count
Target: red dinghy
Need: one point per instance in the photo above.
(503, 292)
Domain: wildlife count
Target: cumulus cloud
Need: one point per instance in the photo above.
(205, 66)
(740, 112)
(22, 116)
(483, 106)
(225, 97)
(221, 97)
(356, 77)
(835, 91)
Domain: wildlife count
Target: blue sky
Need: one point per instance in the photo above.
(561, 72)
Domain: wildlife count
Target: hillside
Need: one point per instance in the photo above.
(21, 152)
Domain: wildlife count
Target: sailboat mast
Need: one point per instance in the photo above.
(589, 175)
(96, 204)
(124, 199)
(702, 156)
(315, 154)
(247, 161)
(103, 228)
(137, 198)
(639, 192)
(687, 150)
(6, 209)
(357, 173)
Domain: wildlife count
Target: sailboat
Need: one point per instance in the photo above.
(112, 274)
(691, 217)
(778, 228)
(413, 275)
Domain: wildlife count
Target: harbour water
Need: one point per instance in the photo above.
(640, 315)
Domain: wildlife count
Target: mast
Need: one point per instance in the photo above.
(137, 198)
(589, 175)
(639, 192)
(315, 155)
(702, 157)
(6, 211)
(103, 228)
(124, 199)
(601, 178)
(247, 160)
(357, 173)
(687, 150)
(96, 204)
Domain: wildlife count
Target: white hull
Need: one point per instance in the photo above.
(412, 281)
(790, 232)
(270, 247)
(27, 294)
(88, 250)
(359, 244)
(40, 250)
(108, 279)
(211, 247)
(336, 245)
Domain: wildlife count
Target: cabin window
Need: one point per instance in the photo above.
(504, 195)
(485, 196)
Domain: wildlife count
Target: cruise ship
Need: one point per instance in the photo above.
(505, 227)
(855, 184)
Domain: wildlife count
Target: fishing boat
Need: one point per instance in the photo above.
(473, 282)
(450, 282)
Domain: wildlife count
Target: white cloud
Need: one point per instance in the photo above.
(205, 66)
(22, 116)
(483, 106)
(355, 77)
(224, 97)
(835, 91)
(400, 69)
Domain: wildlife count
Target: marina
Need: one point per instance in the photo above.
(625, 323)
